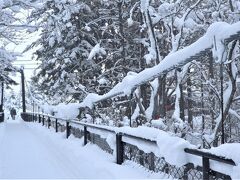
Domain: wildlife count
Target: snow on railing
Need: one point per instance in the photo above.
(218, 34)
(173, 153)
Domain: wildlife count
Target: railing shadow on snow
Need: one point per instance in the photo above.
(125, 150)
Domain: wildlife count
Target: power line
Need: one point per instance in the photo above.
(24, 60)
(26, 64)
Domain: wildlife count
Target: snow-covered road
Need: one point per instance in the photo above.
(28, 150)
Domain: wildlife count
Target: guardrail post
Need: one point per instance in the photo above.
(85, 135)
(43, 119)
(68, 127)
(151, 165)
(49, 122)
(119, 148)
(188, 167)
(206, 168)
(56, 125)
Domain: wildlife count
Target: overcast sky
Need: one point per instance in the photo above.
(26, 59)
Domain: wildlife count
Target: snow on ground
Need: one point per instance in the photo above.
(29, 150)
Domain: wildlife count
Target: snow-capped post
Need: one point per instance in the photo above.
(43, 120)
(1, 106)
(23, 90)
(49, 122)
(119, 148)
(93, 113)
(39, 118)
(85, 135)
(33, 111)
(206, 167)
(56, 125)
(68, 128)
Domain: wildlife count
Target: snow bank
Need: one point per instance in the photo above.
(172, 149)
(68, 159)
(168, 146)
(161, 143)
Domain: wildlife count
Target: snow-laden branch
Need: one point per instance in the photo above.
(222, 31)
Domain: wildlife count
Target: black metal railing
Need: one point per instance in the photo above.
(127, 151)
(1, 117)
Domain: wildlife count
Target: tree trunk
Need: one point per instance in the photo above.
(181, 102)
(189, 101)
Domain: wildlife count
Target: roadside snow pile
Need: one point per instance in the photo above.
(83, 160)
(172, 149)
(168, 146)
(161, 143)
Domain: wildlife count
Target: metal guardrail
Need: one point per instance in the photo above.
(206, 164)
(1, 117)
(127, 151)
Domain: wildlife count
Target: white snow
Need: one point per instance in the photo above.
(154, 86)
(29, 150)
(229, 151)
(96, 50)
(217, 32)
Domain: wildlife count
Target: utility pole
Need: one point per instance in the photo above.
(23, 91)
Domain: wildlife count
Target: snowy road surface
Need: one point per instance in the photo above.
(28, 150)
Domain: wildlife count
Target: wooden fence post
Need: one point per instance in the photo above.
(85, 135)
(119, 148)
(206, 168)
